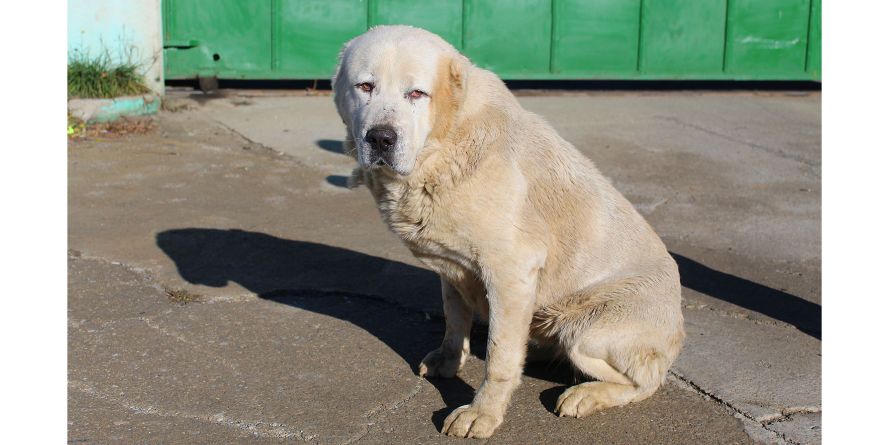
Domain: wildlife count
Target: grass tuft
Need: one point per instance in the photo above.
(99, 77)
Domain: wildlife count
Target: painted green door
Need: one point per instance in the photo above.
(510, 37)
(682, 37)
(518, 39)
(310, 33)
(225, 37)
(598, 36)
(767, 36)
(813, 48)
(442, 17)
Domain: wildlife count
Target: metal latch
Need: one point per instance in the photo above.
(181, 44)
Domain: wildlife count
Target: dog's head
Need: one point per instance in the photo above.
(397, 88)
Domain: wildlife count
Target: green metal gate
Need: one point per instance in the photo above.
(518, 39)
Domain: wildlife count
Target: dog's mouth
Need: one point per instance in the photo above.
(388, 165)
(376, 159)
(379, 162)
(372, 159)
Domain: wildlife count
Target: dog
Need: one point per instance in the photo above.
(522, 229)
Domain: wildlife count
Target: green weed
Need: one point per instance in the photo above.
(100, 77)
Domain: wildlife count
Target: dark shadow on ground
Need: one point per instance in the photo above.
(328, 280)
(381, 295)
(338, 180)
(373, 293)
(804, 315)
(331, 145)
(268, 265)
(334, 146)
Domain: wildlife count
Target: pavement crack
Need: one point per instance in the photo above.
(271, 294)
(150, 281)
(255, 144)
(258, 428)
(787, 413)
(771, 150)
(243, 136)
(746, 418)
(219, 358)
(384, 410)
(144, 274)
(322, 293)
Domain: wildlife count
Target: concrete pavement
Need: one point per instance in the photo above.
(303, 319)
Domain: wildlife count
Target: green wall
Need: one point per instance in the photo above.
(518, 39)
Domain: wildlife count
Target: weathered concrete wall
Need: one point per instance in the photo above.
(128, 31)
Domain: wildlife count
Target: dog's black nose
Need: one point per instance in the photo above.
(381, 138)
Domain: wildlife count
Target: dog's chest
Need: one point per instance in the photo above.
(424, 223)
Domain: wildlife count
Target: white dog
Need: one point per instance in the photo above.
(522, 229)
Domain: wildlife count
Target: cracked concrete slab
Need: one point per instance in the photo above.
(802, 427)
(313, 367)
(98, 418)
(749, 385)
(241, 201)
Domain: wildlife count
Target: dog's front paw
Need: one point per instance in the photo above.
(471, 421)
(439, 363)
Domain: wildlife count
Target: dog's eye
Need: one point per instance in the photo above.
(416, 94)
(365, 87)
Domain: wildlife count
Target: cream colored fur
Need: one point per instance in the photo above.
(522, 229)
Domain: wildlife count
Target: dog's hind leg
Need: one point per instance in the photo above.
(613, 336)
(613, 387)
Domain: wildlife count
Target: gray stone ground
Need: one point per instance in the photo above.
(298, 317)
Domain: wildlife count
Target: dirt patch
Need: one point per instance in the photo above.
(183, 297)
(121, 127)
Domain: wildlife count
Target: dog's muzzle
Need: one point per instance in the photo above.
(382, 140)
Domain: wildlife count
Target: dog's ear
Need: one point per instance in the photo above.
(338, 84)
(340, 66)
(448, 94)
(458, 75)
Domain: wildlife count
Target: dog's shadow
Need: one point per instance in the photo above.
(381, 296)
(385, 297)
